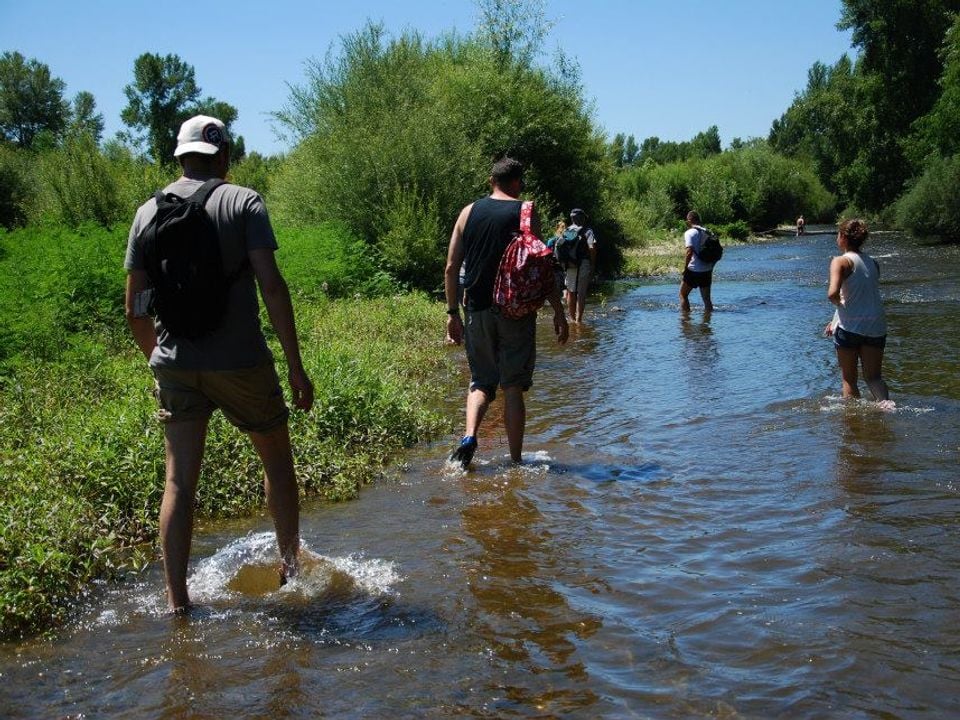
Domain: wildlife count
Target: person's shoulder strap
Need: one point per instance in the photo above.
(526, 213)
(204, 192)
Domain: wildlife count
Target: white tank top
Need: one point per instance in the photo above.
(861, 309)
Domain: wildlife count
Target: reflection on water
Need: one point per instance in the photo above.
(702, 527)
(523, 618)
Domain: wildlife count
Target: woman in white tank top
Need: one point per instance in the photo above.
(859, 327)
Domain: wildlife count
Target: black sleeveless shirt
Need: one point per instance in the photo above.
(490, 227)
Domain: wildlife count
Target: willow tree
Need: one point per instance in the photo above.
(395, 134)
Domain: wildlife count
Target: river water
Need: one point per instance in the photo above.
(701, 528)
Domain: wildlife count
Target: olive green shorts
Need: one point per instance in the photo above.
(251, 398)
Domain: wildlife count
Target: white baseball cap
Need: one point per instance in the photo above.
(201, 134)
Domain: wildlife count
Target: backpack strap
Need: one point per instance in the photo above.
(201, 196)
(700, 231)
(526, 213)
(204, 192)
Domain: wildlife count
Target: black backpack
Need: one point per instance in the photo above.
(710, 248)
(571, 247)
(183, 262)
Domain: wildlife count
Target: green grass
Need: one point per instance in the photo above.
(81, 452)
(652, 261)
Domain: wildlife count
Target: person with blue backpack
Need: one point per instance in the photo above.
(196, 254)
(576, 252)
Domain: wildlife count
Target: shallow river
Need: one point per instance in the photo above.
(701, 528)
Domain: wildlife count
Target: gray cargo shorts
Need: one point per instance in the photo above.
(500, 352)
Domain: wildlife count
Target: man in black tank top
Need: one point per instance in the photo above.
(501, 352)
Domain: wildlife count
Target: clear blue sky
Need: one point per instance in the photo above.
(668, 68)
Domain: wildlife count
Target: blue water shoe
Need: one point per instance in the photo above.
(464, 452)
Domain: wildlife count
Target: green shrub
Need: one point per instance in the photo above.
(77, 184)
(329, 260)
(254, 171)
(932, 204)
(411, 242)
(15, 186)
(136, 178)
(397, 135)
(751, 184)
(738, 230)
(54, 280)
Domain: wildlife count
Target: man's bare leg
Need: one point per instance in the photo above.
(283, 495)
(514, 420)
(571, 299)
(183, 443)
(705, 294)
(477, 404)
(685, 296)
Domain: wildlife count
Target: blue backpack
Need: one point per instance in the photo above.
(571, 247)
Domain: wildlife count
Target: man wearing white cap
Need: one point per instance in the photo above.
(227, 365)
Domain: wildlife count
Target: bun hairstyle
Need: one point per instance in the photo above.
(855, 231)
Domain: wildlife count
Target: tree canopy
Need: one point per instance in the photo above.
(31, 100)
(163, 94)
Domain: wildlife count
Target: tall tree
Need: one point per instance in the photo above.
(31, 100)
(163, 94)
(514, 29)
(623, 149)
(84, 118)
(706, 143)
(163, 88)
(938, 132)
(825, 124)
(900, 64)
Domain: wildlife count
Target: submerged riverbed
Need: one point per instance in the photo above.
(702, 528)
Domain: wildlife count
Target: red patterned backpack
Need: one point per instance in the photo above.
(526, 274)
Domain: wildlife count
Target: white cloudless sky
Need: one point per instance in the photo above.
(669, 68)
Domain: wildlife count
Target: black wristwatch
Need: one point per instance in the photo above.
(453, 311)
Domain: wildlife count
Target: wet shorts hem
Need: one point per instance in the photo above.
(851, 340)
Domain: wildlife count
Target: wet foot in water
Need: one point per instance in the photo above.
(464, 452)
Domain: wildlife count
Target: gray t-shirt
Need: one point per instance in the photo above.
(243, 225)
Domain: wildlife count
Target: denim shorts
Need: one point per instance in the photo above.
(850, 340)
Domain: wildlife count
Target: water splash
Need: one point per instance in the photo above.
(249, 566)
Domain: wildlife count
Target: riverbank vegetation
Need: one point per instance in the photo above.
(881, 129)
(81, 450)
(382, 157)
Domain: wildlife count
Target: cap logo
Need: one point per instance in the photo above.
(211, 134)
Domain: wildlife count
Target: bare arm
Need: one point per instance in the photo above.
(451, 277)
(141, 324)
(839, 269)
(555, 298)
(276, 298)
